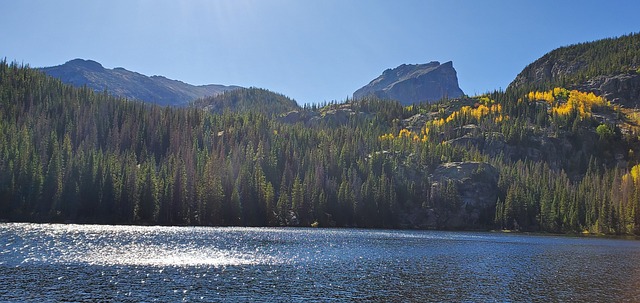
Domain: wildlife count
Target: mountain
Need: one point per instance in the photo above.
(128, 84)
(607, 67)
(413, 83)
(248, 100)
(551, 159)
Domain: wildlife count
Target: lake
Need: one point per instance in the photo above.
(89, 263)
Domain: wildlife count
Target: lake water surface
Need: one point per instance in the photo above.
(89, 263)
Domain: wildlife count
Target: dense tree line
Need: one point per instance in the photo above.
(538, 198)
(70, 154)
(74, 155)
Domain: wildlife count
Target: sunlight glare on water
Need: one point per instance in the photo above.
(128, 245)
(142, 254)
(93, 263)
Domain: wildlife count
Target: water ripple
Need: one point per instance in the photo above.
(79, 263)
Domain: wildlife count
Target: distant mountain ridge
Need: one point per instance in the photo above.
(133, 85)
(412, 83)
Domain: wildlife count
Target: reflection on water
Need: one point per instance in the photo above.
(48, 262)
(124, 245)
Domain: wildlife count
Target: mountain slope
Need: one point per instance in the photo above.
(557, 160)
(607, 67)
(414, 83)
(248, 100)
(125, 83)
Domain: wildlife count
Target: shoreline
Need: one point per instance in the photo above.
(583, 234)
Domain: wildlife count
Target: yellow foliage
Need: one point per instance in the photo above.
(482, 110)
(632, 115)
(541, 96)
(436, 123)
(581, 102)
(578, 101)
(635, 173)
(560, 93)
(632, 176)
(454, 115)
(386, 137)
(486, 100)
(484, 107)
(550, 96)
(404, 133)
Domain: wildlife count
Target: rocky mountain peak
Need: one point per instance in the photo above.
(412, 83)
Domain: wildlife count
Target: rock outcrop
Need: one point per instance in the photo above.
(462, 195)
(332, 116)
(123, 83)
(412, 83)
(623, 89)
(547, 69)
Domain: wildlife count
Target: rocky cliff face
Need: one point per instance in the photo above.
(412, 83)
(128, 84)
(622, 89)
(545, 70)
(463, 195)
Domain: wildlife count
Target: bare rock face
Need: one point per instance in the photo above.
(413, 83)
(546, 69)
(464, 195)
(622, 89)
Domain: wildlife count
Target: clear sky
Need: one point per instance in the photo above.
(309, 50)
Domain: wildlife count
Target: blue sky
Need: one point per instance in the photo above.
(309, 50)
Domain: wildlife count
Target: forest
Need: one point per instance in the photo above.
(74, 155)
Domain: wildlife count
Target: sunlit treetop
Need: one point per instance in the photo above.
(563, 102)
